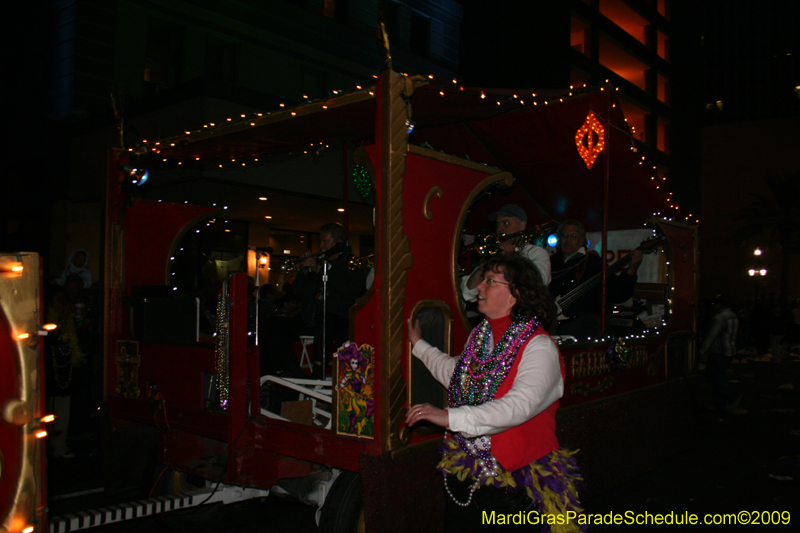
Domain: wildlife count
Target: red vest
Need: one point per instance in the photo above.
(531, 440)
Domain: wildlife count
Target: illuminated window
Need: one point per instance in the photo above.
(663, 135)
(622, 63)
(663, 8)
(579, 35)
(662, 88)
(662, 46)
(626, 18)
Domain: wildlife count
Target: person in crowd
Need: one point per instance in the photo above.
(571, 267)
(64, 359)
(510, 219)
(77, 264)
(327, 313)
(289, 306)
(719, 346)
(88, 378)
(793, 334)
(501, 452)
(268, 297)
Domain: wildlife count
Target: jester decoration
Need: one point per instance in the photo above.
(618, 355)
(128, 369)
(355, 379)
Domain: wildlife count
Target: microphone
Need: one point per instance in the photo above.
(337, 248)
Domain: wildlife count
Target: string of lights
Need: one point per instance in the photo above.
(176, 150)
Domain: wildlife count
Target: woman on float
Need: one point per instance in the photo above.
(501, 452)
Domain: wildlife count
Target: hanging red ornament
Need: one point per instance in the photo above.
(588, 149)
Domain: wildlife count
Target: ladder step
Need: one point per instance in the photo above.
(126, 511)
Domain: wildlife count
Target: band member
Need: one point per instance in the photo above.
(571, 266)
(344, 288)
(510, 219)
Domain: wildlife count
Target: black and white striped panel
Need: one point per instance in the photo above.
(117, 513)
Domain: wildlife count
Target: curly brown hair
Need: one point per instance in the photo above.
(526, 285)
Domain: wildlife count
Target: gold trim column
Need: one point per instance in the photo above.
(395, 256)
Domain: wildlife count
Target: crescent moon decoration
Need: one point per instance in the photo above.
(435, 191)
(588, 149)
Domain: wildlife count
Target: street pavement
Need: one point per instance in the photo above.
(748, 462)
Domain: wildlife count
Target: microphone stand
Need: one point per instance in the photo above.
(324, 314)
(338, 248)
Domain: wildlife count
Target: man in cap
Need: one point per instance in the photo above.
(510, 219)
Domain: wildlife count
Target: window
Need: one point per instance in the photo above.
(222, 60)
(206, 254)
(622, 63)
(662, 135)
(336, 10)
(662, 88)
(663, 8)
(626, 18)
(579, 38)
(662, 46)
(164, 51)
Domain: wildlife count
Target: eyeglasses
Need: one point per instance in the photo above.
(570, 236)
(489, 282)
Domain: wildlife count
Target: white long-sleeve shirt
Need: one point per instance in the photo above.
(537, 255)
(537, 385)
(721, 336)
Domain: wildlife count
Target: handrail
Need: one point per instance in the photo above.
(318, 389)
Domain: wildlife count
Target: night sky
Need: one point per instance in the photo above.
(743, 54)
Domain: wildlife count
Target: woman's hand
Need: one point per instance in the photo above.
(414, 332)
(425, 411)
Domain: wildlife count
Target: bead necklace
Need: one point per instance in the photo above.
(222, 350)
(476, 378)
(472, 490)
(481, 371)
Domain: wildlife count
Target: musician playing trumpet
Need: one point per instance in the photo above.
(571, 266)
(510, 219)
(327, 315)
